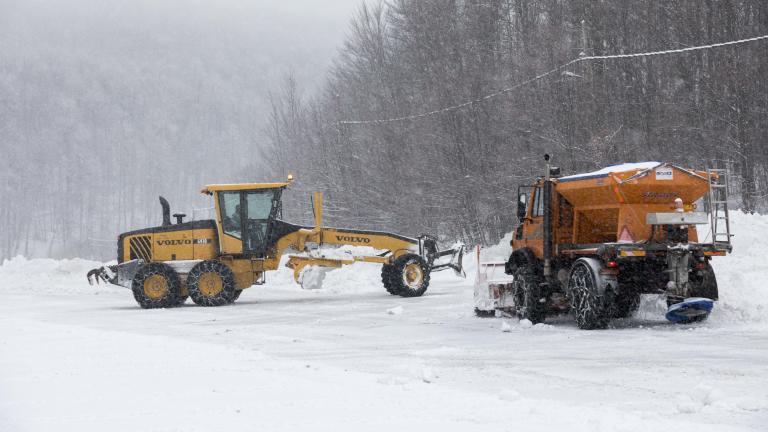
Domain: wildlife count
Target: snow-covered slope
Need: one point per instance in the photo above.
(351, 357)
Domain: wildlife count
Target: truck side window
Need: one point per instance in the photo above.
(538, 203)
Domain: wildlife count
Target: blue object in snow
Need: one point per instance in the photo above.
(690, 310)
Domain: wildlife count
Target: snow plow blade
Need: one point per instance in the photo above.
(456, 254)
(690, 310)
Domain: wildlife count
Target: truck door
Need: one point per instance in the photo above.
(533, 229)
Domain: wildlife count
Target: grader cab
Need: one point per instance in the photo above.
(593, 243)
(212, 261)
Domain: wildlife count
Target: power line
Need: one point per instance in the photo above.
(545, 74)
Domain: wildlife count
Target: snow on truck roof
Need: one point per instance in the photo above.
(625, 167)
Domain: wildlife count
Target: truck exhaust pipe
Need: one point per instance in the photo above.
(547, 221)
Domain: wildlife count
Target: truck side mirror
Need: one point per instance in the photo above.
(522, 200)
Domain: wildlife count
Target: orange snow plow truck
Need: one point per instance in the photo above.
(593, 243)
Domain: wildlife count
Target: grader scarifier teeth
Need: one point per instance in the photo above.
(100, 274)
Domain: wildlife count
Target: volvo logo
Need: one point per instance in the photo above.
(350, 239)
(174, 242)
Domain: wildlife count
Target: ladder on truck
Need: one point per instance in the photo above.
(718, 206)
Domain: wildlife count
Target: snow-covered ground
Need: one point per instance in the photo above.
(352, 357)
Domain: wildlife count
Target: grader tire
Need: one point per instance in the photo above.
(156, 285)
(526, 289)
(211, 283)
(236, 295)
(181, 300)
(409, 276)
(386, 276)
(590, 308)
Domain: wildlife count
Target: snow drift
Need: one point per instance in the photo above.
(741, 276)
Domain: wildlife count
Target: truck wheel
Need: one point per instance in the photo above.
(589, 307)
(704, 284)
(386, 275)
(530, 302)
(156, 285)
(409, 276)
(480, 313)
(626, 305)
(211, 283)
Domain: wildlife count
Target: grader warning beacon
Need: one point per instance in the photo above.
(212, 261)
(593, 243)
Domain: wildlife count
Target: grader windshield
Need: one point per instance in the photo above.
(246, 213)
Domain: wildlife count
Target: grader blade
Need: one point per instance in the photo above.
(456, 254)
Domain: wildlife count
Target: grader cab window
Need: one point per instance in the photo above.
(230, 214)
(260, 204)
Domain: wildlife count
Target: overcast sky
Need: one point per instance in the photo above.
(301, 35)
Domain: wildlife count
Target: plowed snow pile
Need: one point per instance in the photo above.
(351, 357)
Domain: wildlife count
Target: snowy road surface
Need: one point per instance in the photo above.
(74, 357)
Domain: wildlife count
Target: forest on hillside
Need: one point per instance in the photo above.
(104, 105)
(456, 173)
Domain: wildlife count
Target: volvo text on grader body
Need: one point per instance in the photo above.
(593, 243)
(212, 261)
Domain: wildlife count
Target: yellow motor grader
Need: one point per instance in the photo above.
(212, 261)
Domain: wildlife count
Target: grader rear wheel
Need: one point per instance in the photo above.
(156, 285)
(211, 283)
(408, 276)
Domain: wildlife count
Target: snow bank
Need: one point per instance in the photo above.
(742, 277)
(42, 275)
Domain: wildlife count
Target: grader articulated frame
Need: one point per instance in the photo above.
(212, 261)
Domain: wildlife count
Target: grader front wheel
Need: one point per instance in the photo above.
(211, 283)
(156, 285)
(408, 276)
